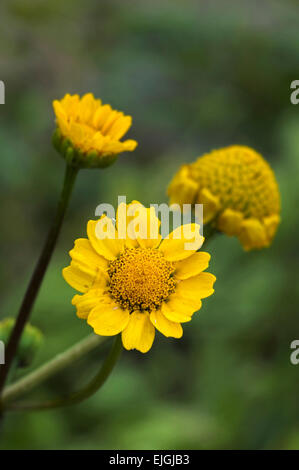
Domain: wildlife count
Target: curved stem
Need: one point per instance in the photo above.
(84, 393)
(38, 274)
(52, 367)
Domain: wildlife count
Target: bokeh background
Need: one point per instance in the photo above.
(195, 76)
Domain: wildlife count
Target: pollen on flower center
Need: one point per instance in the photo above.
(141, 279)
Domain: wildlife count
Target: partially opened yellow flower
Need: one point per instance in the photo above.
(88, 133)
(136, 284)
(238, 190)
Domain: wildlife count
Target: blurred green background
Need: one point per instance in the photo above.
(194, 75)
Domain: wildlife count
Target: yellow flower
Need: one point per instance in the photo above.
(136, 284)
(238, 191)
(88, 133)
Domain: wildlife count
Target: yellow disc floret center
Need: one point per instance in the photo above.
(141, 279)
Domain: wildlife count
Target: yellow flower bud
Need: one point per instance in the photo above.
(238, 190)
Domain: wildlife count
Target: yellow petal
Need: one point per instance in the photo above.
(84, 254)
(139, 225)
(78, 132)
(109, 247)
(85, 303)
(192, 266)
(70, 104)
(252, 234)
(176, 309)
(122, 222)
(108, 319)
(166, 327)
(101, 281)
(78, 279)
(85, 108)
(211, 205)
(63, 125)
(183, 189)
(229, 222)
(59, 111)
(120, 127)
(144, 224)
(113, 146)
(101, 115)
(271, 223)
(188, 303)
(97, 141)
(197, 287)
(113, 116)
(139, 333)
(129, 145)
(85, 265)
(182, 242)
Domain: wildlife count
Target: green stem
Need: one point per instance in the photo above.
(38, 274)
(77, 397)
(52, 367)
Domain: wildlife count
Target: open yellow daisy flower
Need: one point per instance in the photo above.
(88, 133)
(238, 190)
(135, 284)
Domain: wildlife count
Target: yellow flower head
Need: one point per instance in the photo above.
(88, 133)
(137, 282)
(238, 190)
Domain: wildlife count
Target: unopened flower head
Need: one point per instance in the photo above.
(238, 190)
(31, 341)
(88, 133)
(135, 285)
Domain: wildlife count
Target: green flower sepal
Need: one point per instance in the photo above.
(78, 159)
(29, 345)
